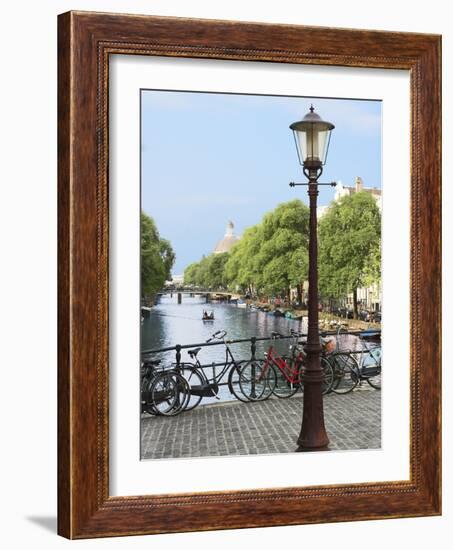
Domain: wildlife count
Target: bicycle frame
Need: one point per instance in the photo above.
(216, 378)
(366, 371)
(291, 373)
(229, 364)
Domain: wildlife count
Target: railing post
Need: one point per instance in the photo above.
(253, 347)
(178, 355)
(253, 350)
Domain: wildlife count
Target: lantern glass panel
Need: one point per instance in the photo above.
(312, 142)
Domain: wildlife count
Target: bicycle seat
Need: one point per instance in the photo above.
(193, 352)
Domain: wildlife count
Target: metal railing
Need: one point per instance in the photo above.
(253, 340)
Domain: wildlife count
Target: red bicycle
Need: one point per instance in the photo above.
(289, 369)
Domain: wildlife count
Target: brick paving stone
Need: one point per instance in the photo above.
(353, 421)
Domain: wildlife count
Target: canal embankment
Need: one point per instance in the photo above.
(326, 320)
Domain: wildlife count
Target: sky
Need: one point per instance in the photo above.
(207, 158)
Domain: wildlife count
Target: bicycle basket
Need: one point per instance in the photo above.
(328, 344)
(342, 340)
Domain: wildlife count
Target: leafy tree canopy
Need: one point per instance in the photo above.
(349, 245)
(272, 255)
(157, 257)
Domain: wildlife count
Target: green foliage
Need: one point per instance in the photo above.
(272, 256)
(283, 256)
(157, 257)
(349, 245)
(191, 274)
(216, 271)
(208, 273)
(241, 268)
(269, 258)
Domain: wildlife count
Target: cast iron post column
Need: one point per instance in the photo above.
(313, 436)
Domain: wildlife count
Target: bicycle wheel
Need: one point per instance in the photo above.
(169, 393)
(372, 372)
(345, 369)
(234, 381)
(196, 382)
(146, 405)
(284, 388)
(375, 380)
(328, 375)
(257, 380)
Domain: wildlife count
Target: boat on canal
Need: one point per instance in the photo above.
(208, 316)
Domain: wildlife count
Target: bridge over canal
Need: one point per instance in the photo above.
(227, 296)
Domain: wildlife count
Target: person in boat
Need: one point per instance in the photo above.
(208, 316)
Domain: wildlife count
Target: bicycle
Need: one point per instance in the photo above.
(169, 393)
(348, 371)
(368, 365)
(371, 367)
(148, 370)
(163, 392)
(289, 370)
(239, 376)
(345, 377)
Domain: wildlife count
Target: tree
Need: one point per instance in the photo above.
(241, 268)
(157, 257)
(216, 271)
(271, 256)
(283, 255)
(349, 246)
(191, 274)
(209, 272)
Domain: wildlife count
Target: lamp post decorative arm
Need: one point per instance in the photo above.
(331, 183)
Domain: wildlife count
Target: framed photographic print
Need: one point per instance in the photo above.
(249, 229)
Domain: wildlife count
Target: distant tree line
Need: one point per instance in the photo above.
(272, 257)
(157, 258)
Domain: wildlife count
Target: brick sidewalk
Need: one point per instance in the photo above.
(353, 421)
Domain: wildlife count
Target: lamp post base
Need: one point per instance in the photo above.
(313, 435)
(313, 446)
(314, 450)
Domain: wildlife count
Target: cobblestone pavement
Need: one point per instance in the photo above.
(353, 421)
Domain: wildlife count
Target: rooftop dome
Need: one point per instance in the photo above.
(228, 240)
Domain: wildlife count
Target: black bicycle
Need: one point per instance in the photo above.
(240, 376)
(163, 392)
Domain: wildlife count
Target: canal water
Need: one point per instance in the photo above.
(170, 323)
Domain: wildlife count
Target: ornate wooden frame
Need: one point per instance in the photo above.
(85, 41)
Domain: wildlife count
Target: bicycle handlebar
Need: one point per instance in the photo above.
(216, 336)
